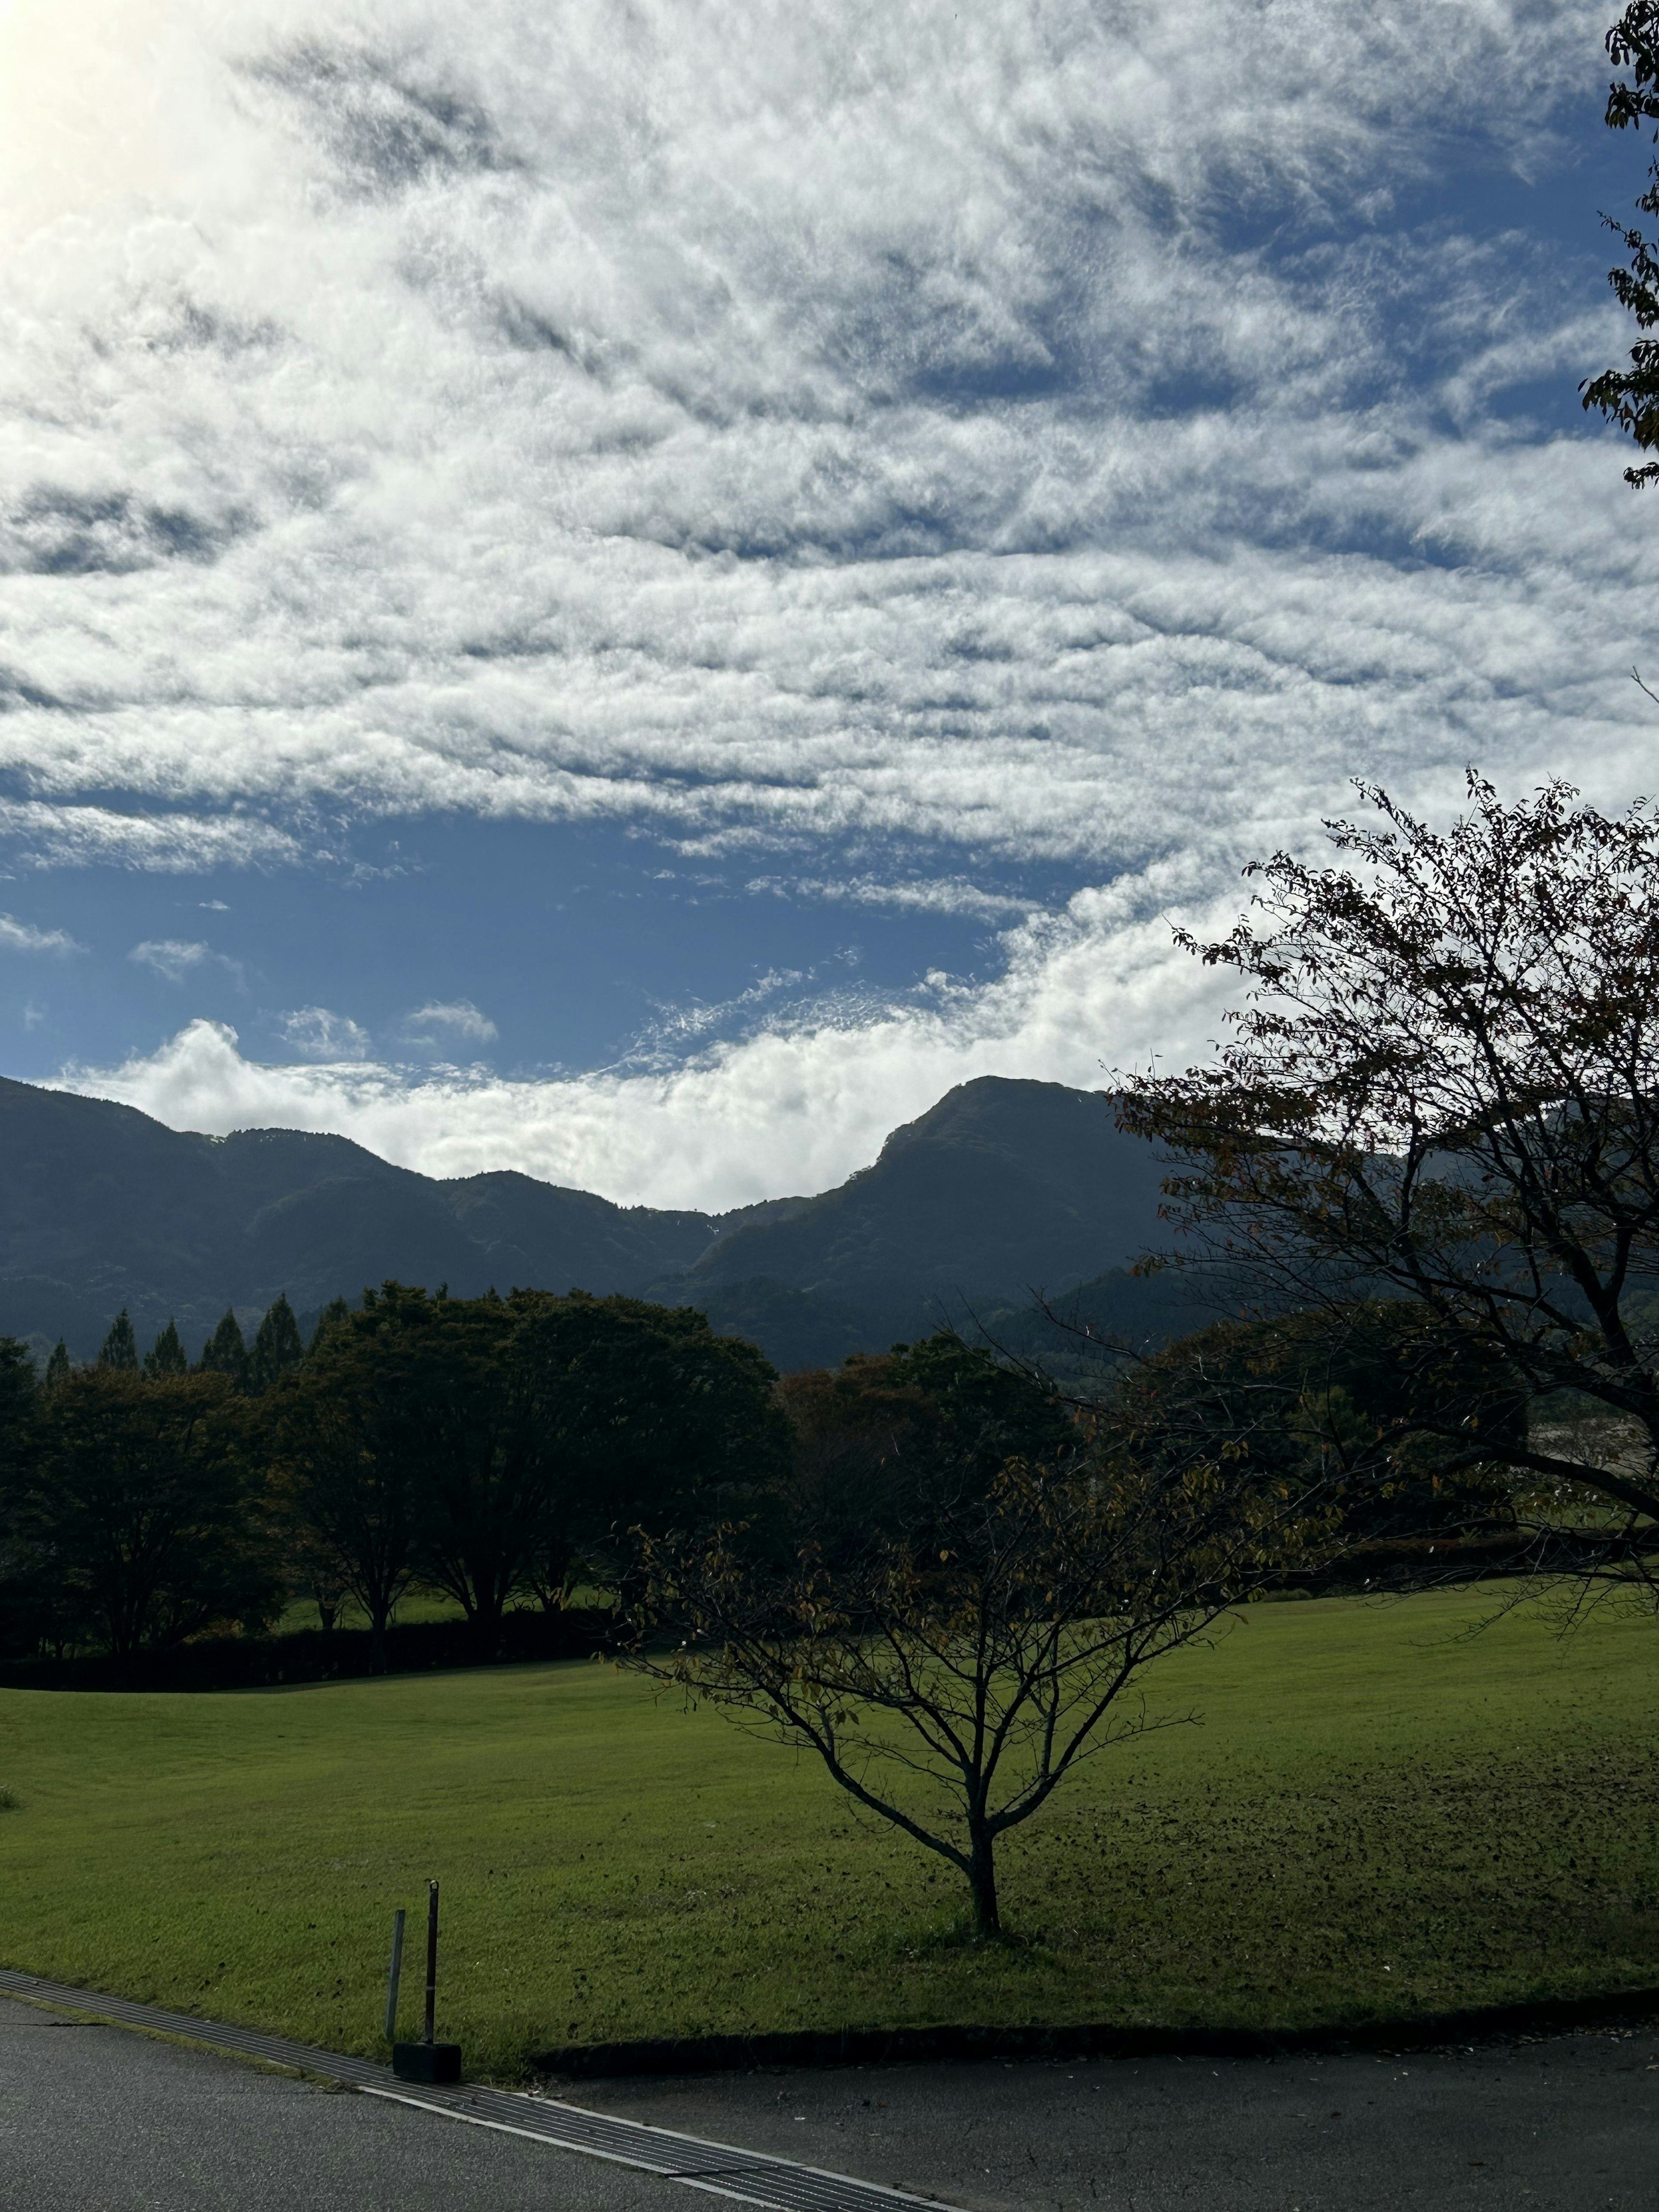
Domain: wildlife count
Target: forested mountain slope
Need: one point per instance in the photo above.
(1002, 1186)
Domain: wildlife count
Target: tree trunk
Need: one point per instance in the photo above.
(377, 1640)
(487, 1625)
(982, 1881)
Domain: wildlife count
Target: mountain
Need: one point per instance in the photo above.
(1002, 1184)
(1002, 1187)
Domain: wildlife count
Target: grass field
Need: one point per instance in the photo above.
(1378, 1815)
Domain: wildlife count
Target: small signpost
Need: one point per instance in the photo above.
(426, 2061)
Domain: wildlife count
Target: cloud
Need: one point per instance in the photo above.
(174, 959)
(934, 895)
(319, 1035)
(1030, 438)
(989, 434)
(23, 937)
(458, 1016)
(77, 836)
(795, 1104)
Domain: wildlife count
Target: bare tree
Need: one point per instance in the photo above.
(1442, 1089)
(986, 1641)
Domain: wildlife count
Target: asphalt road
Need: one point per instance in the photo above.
(100, 2119)
(1569, 2123)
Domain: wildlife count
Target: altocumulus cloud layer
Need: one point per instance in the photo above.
(873, 446)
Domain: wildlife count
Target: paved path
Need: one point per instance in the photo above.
(1566, 2123)
(100, 2119)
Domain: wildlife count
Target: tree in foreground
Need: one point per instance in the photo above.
(987, 1640)
(1630, 397)
(1334, 1404)
(1442, 1092)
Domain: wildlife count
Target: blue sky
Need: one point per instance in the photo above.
(634, 590)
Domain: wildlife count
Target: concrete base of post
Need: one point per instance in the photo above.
(427, 2061)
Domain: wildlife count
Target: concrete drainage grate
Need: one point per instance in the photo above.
(722, 2169)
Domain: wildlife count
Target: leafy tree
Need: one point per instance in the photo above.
(1630, 397)
(486, 1446)
(276, 1347)
(140, 1502)
(982, 1645)
(167, 1355)
(487, 1464)
(1443, 1089)
(19, 1404)
(57, 1365)
(27, 1613)
(867, 1434)
(225, 1351)
(647, 1419)
(120, 1349)
(348, 1434)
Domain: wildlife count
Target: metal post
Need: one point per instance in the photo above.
(391, 1979)
(431, 1956)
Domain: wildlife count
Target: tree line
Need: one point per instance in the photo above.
(490, 1449)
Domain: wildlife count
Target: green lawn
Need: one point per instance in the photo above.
(1377, 1815)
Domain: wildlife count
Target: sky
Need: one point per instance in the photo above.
(633, 591)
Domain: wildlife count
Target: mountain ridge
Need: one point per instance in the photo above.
(1003, 1185)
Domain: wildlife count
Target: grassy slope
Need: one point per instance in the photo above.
(1376, 1816)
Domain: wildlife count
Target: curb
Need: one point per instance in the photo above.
(711, 2054)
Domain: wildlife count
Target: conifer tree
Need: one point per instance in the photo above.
(167, 1355)
(277, 1346)
(120, 1347)
(57, 1366)
(335, 1311)
(225, 1351)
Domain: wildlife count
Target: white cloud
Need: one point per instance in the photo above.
(931, 894)
(174, 959)
(71, 836)
(458, 1016)
(23, 937)
(778, 425)
(981, 431)
(793, 1106)
(319, 1035)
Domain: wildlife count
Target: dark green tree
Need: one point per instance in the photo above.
(1630, 397)
(19, 1402)
(58, 1368)
(276, 1347)
(167, 1355)
(348, 1435)
(140, 1503)
(645, 1419)
(119, 1349)
(27, 1612)
(332, 1315)
(489, 1465)
(225, 1351)
(870, 1436)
